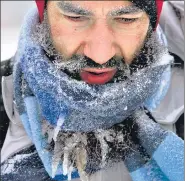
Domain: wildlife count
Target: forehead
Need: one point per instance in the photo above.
(96, 4)
(96, 7)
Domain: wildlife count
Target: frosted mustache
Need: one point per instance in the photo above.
(78, 62)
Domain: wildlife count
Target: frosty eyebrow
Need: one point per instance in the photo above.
(68, 7)
(125, 10)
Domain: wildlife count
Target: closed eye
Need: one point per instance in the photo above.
(76, 18)
(126, 20)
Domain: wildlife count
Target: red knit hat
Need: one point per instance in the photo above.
(41, 6)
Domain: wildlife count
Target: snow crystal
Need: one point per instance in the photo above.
(10, 167)
(125, 108)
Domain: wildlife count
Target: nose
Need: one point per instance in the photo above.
(99, 45)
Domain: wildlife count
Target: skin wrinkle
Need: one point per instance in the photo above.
(69, 38)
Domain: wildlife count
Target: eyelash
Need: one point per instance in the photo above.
(82, 18)
(126, 20)
(76, 18)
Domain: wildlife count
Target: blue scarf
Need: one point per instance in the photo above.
(47, 97)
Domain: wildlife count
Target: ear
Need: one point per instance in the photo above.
(40, 6)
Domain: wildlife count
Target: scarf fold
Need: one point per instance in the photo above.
(66, 119)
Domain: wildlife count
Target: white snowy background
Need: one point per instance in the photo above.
(12, 14)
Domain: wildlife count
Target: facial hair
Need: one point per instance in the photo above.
(72, 66)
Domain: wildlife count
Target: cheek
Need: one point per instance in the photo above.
(60, 31)
(66, 41)
(136, 40)
(132, 39)
(55, 31)
(130, 44)
(57, 38)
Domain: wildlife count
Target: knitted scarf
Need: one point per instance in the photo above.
(79, 129)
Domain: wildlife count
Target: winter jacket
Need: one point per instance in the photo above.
(173, 11)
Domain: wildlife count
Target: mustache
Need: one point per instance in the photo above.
(78, 62)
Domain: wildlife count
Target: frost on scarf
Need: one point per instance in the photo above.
(90, 152)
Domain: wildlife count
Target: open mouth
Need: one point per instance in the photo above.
(97, 76)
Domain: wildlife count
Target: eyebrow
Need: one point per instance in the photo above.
(68, 7)
(125, 10)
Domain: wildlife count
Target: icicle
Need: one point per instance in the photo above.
(65, 162)
(50, 135)
(58, 127)
(81, 160)
(70, 172)
(55, 162)
(58, 151)
(100, 135)
(54, 167)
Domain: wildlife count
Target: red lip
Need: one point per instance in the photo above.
(97, 76)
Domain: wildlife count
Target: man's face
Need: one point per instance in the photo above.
(99, 30)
